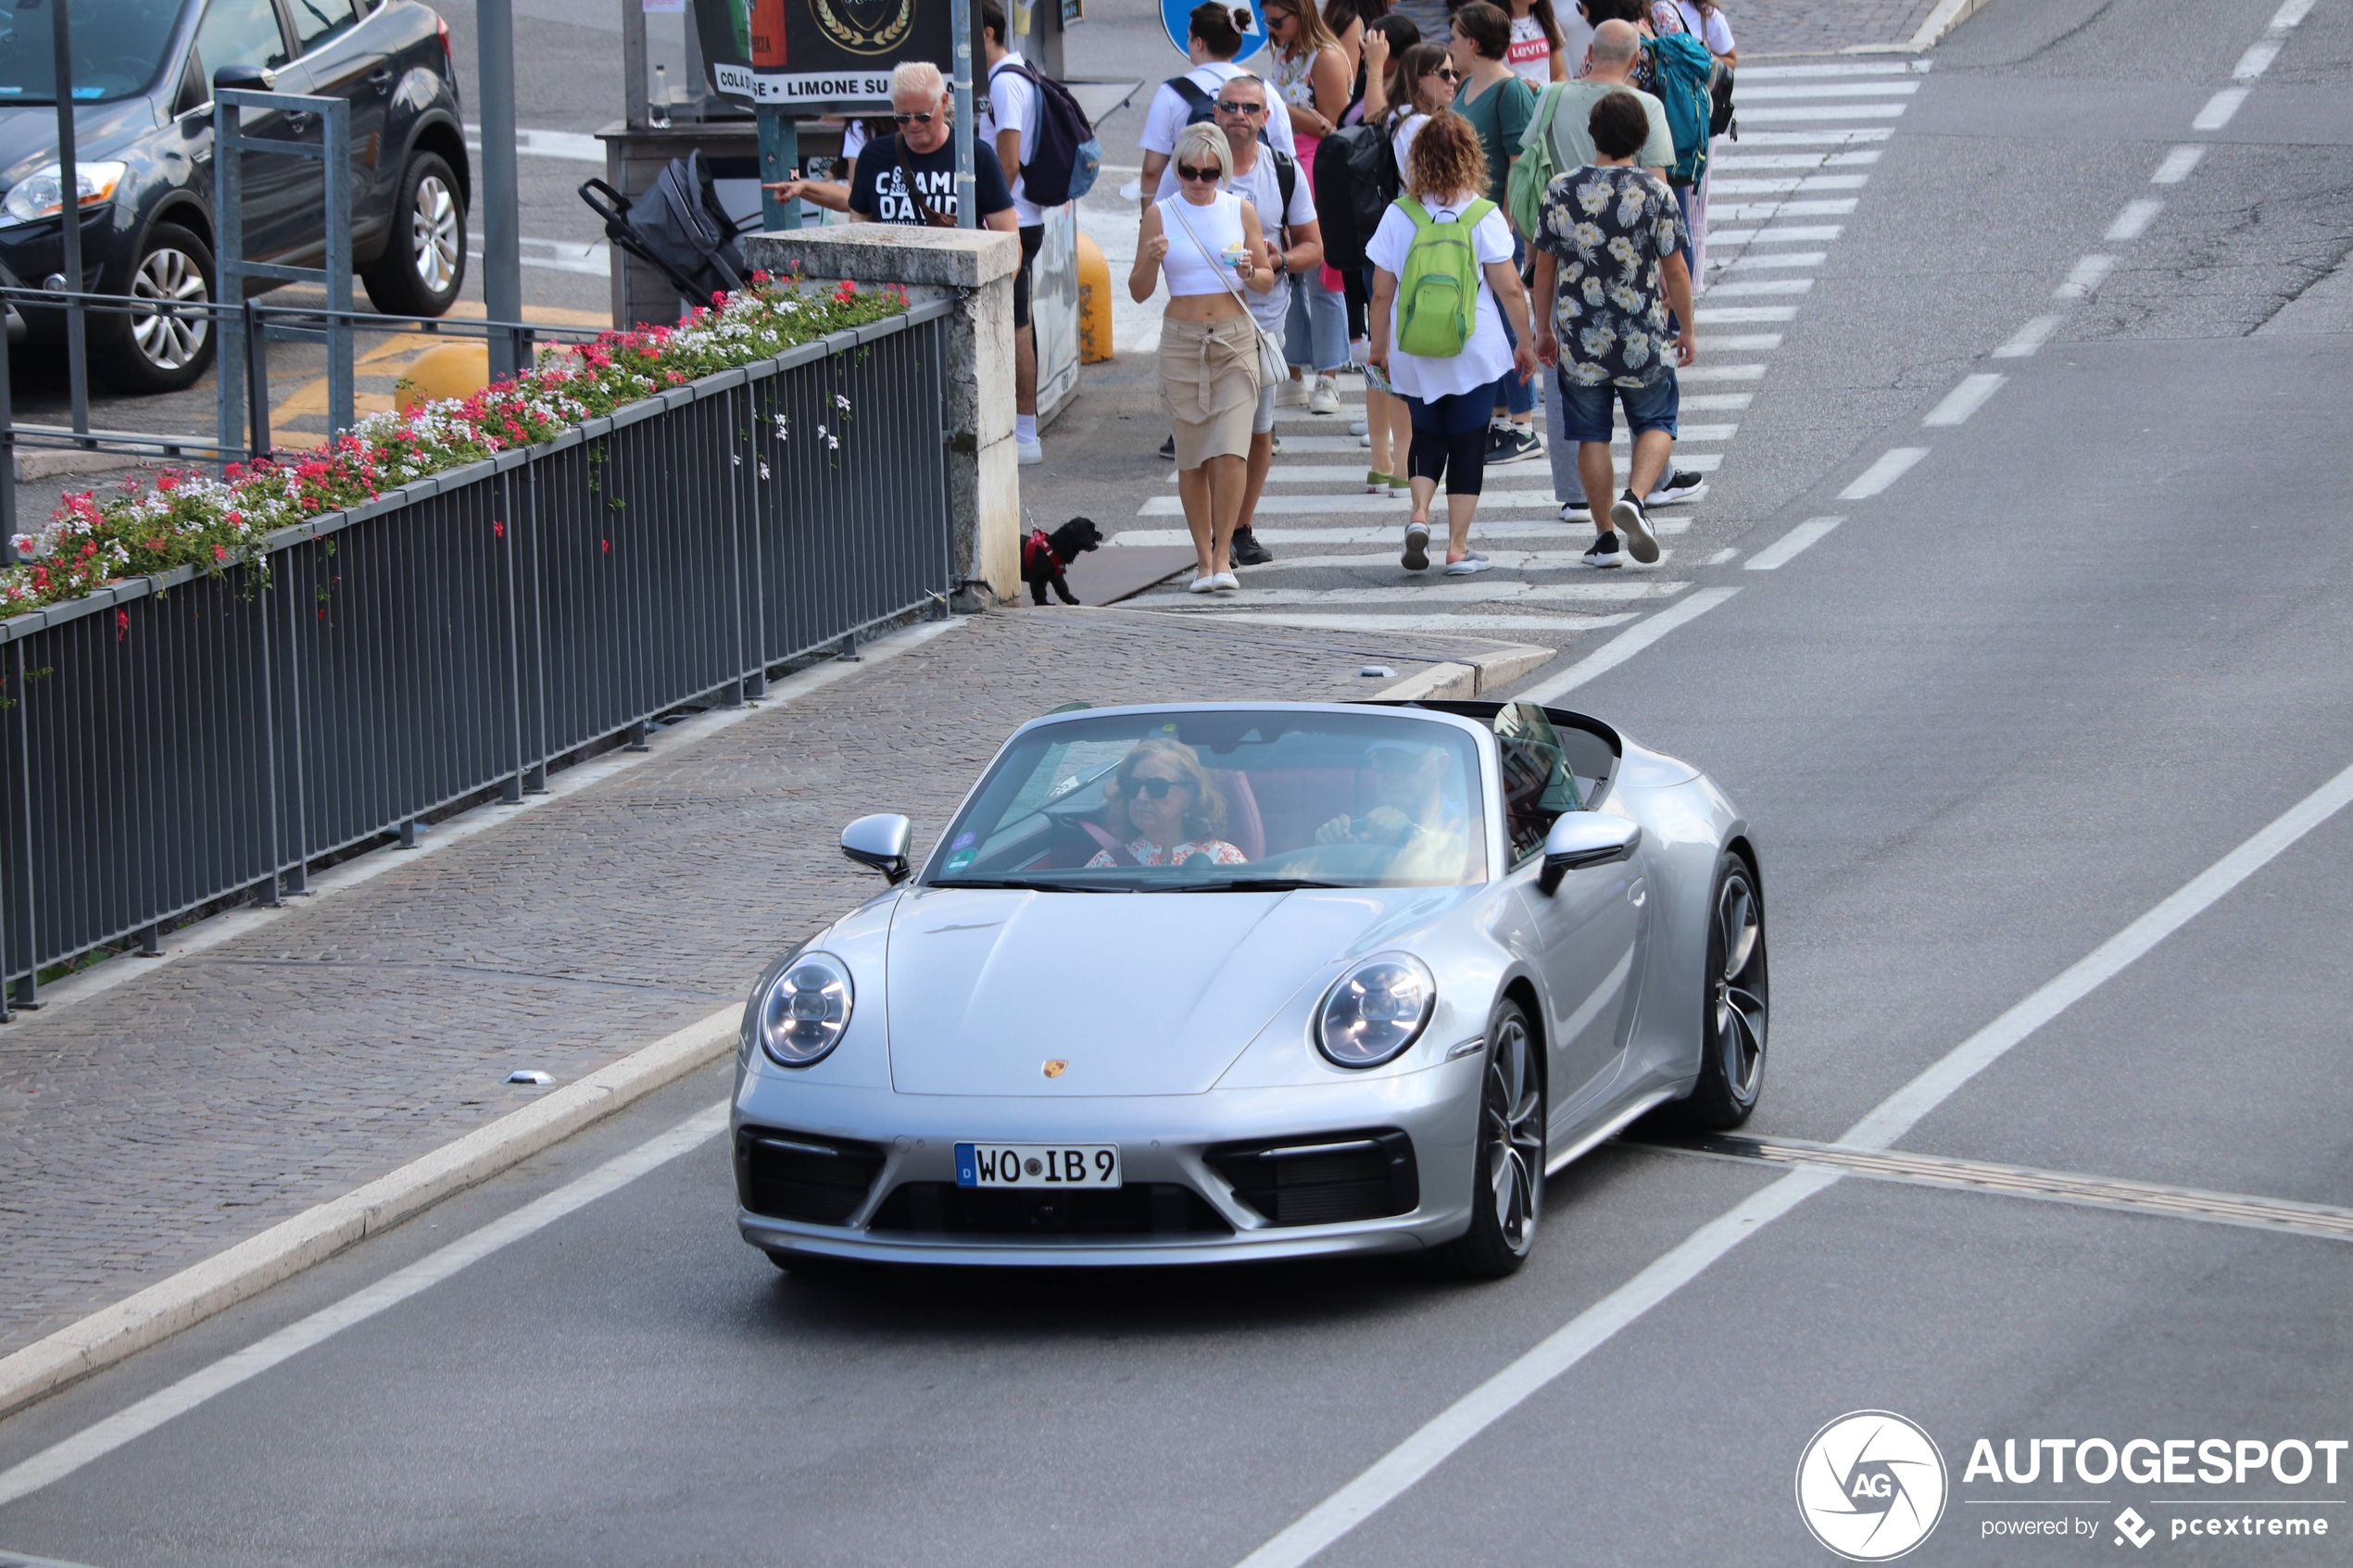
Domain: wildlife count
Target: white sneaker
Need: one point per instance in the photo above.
(1203, 584)
(1363, 440)
(1291, 394)
(1029, 452)
(1359, 427)
(1417, 554)
(1468, 565)
(1325, 398)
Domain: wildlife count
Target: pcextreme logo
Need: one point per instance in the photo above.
(1870, 1486)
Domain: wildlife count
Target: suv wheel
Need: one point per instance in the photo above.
(161, 350)
(424, 258)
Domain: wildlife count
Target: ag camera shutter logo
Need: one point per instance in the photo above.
(1871, 1486)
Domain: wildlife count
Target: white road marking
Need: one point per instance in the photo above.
(1431, 587)
(570, 146)
(1730, 315)
(1310, 505)
(1473, 622)
(1782, 73)
(1758, 212)
(1749, 94)
(1761, 287)
(1902, 1110)
(94, 1442)
(1806, 183)
(1505, 561)
(2134, 220)
(1796, 160)
(2087, 276)
(2177, 165)
(2029, 338)
(1838, 136)
(1747, 343)
(2218, 110)
(1826, 111)
(1890, 467)
(1783, 550)
(1965, 399)
(1396, 1472)
(1720, 558)
(1386, 534)
(1718, 373)
(1628, 642)
(2256, 60)
(1777, 259)
(2290, 13)
(1715, 402)
(590, 258)
(1794, 234)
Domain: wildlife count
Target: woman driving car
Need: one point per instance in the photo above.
(1163, 794)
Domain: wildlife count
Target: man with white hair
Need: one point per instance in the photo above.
(910, 178)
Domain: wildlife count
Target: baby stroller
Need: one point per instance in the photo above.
(677, 225)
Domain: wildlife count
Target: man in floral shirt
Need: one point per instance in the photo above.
(1609, 267)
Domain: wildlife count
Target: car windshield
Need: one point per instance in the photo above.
(1234, 800)
(117, 48)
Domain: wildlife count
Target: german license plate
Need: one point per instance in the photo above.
(1037, 1165)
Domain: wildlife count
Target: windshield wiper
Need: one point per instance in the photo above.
(1256, 884)
(1025, 884)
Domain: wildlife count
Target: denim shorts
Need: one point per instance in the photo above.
(1585, 410)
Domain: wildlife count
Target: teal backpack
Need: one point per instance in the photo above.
(1683, 78)
(1437, 296)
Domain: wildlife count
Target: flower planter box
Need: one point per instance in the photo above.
(173, 739)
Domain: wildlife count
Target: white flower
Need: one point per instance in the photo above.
(841, 402)
(763, 470)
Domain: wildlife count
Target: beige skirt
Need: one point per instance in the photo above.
(1209, 385)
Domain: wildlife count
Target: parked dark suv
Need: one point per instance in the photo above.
(142, 76)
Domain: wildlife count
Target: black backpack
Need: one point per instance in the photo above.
(1064, 156)
(1357, 170)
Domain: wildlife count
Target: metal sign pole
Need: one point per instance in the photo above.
(501, 251)
(960, 28)
(70, 214)
(779, 159)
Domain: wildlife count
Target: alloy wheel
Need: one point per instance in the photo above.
(1513, 1135)
(1741, 1008)
(170, 278)
(432, 231)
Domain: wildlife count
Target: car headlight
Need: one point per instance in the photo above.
(1379, 1008)
(36, 195)
(806, 1010)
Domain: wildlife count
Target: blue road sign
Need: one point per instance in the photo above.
(1175, 16)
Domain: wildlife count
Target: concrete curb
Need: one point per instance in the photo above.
(1474, 676)
(286, 1248)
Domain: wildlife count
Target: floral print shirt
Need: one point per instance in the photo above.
(1147, 853)
(1611, 228)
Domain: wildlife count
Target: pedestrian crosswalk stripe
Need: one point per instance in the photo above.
(1714, 402)
(1827, 111)
(1825, 207)
(1792, 160)
(1434, 588)
(1505, 559)
(1308, 505)
(1768, 185)
(1741, 315)
(1719, 373)
(1782, 234)
(1387, 533)
(1784, 73)
(1828, 135)
(1777, 259)
(1459, 621)
(1761, 285)
(1753, 94)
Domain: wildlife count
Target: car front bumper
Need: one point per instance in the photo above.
(1163, 1139)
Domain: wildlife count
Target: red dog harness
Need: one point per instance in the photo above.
(1037, 558)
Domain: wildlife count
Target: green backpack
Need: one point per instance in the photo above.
(1539, 164)
(1437, 298)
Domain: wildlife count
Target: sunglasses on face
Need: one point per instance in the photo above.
(1229, 107)
(1187, 171)
(1156, 789)
(1447, 73)
(923, 119)
(1385, 761)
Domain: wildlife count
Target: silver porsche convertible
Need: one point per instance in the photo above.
(1206, 982)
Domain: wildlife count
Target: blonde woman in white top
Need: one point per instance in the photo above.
(1208, 243)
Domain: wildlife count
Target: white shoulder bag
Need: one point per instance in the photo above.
(1274, 365)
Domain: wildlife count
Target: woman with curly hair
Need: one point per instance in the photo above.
(1449, 398)
(1163, 794)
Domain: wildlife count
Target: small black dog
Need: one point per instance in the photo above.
(1044, 555)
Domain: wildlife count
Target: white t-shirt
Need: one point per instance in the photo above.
(1489, 353)
(1263, 188)
(1530, 54)
(1013, 101)
(1168, 113)
(1713, 30)
(1401, 141)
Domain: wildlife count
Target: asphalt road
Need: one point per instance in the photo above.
(2089, 645)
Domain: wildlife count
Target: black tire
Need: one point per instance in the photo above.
(423, 265)
(161, 351)
(1735, 1004)
(1507, 1179)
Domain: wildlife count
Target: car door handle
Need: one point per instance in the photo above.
(297, 122)
(380, 78)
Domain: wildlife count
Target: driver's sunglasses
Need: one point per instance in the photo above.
(923, 119)
(1389, 761)
(1227, 105)
(1187, 171)
(1156, 789)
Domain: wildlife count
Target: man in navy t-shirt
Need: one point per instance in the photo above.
(878, 192)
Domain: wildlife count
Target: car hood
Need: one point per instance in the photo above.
(1137, 994)
(29, 134)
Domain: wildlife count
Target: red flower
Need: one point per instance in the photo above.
(121, 625)
(219, 553)
(499, 529)
(608, 545)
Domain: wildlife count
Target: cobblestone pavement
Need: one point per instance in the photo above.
(1820, 27)
(149, 1125)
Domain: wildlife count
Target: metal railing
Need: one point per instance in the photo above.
(172, 741)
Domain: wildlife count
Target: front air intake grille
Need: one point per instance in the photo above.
(1139, 1209)
(1325, 1180)
(802, 1176)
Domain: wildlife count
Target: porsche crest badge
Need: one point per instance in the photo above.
(1056, 1068)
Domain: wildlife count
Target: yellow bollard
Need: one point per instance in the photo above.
(1094, 303)
(450, 370)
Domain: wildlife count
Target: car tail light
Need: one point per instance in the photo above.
(448, 61)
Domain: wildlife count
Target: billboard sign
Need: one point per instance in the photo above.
(817, 57)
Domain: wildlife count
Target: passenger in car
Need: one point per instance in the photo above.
(1430, 833)
(1162, 794)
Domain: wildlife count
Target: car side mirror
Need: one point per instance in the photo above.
(245, 79)
(880, 842)
(1579, 839)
